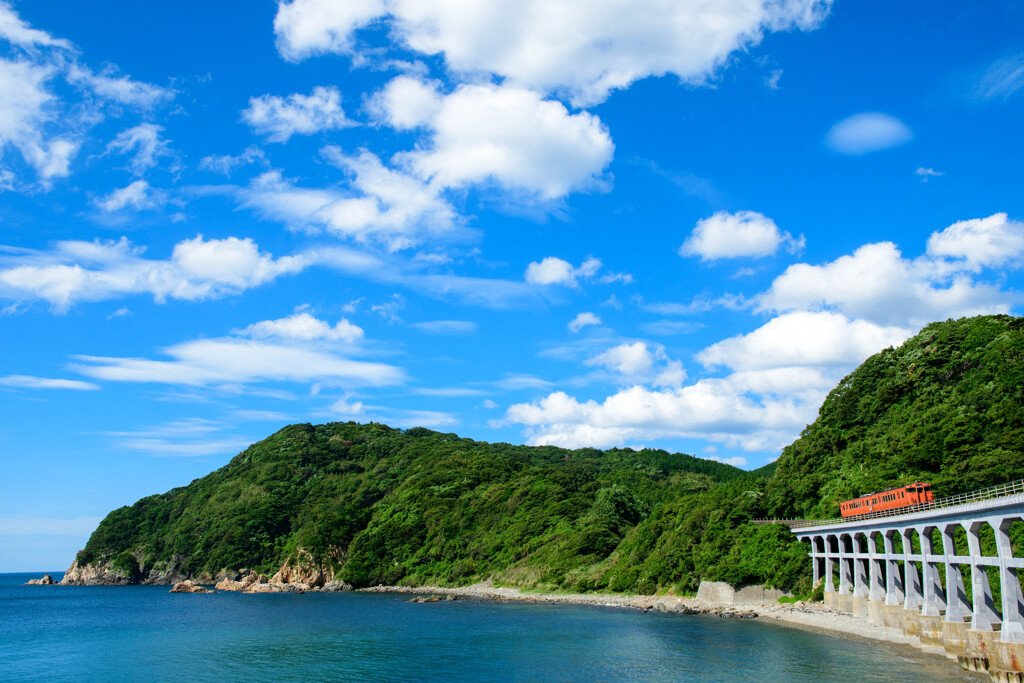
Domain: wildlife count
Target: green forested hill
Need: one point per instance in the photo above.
(946, 407)
(381, 505)
(387, 506)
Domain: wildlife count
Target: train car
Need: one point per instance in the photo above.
(890, 499)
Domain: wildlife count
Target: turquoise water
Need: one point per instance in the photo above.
(143, 633)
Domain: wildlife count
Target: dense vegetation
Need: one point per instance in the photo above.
(382, 505)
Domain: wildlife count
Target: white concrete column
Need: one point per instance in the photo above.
(1013, 624)
(878, 587)
(829, 586)
(983, 609)
(860, 579)
(911, 579)
(956, 597)
(815, 561)
(845, 574)
(893, 578)
(929, 575)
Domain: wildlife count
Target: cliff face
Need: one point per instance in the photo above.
(301, 569)
(95, 574)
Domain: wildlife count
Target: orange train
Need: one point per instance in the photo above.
(890, 499)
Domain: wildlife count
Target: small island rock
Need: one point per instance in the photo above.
(189, 586)
(47, 580)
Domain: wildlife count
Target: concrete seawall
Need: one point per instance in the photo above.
(979, 651)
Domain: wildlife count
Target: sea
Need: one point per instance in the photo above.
(144, 633)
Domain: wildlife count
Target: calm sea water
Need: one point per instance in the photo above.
(143, 633)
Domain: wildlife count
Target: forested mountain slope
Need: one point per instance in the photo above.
(382, 505)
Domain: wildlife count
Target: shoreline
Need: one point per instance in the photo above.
(809, 617)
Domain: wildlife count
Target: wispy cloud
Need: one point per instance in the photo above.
(28, 382)
(1002, 79)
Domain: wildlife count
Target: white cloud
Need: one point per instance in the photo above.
(279, 118)
(867, 132)
(508, 136)
(138, 195)
(187, 437)
(489, 404)
(516, 382)
(227, 163)
(406, 103)
(721, 411)
(46, 129)
(314, 27)
(551, 271)
(626, 359)
(121, 89)
(16, 31)
(611, 44)
(732, 235)
(446, 326)
(390, 204)
(75, 271)
(981, 242)
(304, 326)
(804, 339)
(26, 106)
(582, 320)
(144, 141)
(925, 173)
(555, 271)
(205, 362)
(384, 205)
(876, 283)
(346, 407)
(28, 382)
(636, 363)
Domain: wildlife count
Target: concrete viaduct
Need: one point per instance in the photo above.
(902, 568)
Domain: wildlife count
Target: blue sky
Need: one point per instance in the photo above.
(576, 223)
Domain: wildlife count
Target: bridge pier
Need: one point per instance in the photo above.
(920, 587)
(876, 594)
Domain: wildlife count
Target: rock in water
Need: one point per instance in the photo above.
(189, 586)
(263, 588)
(47, 580)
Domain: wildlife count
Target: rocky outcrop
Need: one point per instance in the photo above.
(301, 573)
(264, 588)
(336, 586)
(98, 574)
(303, 569)
(47, 580)
(189, 586)
(241, 583)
